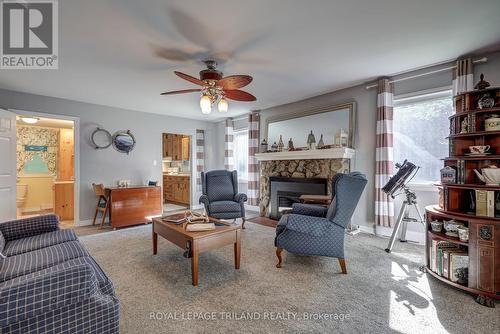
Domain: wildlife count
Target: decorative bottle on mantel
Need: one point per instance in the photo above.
(311, 141)
(321, 144)
(263, 146)
(280, 144)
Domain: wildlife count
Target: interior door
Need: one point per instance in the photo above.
(7, 165)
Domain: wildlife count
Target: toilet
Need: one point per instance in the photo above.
(21, 191)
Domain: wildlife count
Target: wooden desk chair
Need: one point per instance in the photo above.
(102, 202)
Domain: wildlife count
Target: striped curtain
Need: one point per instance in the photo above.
(463, 77)
(200, 156)
(253, 163)
(228, 145)
(384, 206)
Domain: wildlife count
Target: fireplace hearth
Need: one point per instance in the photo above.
(284, 191)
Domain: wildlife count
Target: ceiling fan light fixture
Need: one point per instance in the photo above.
(223, 105)
(205, 104)
(30, 120)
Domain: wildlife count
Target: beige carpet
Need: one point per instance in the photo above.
(383, 293)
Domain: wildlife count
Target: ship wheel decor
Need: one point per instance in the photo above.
(215, 88)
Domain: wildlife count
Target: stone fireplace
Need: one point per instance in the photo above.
(306, 169)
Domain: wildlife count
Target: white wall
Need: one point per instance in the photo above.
(108, 165)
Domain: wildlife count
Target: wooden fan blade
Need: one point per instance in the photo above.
(190, 78)
(181, 91)
(234, 81)
(239, 95)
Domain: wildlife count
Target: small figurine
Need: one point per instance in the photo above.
(311, 141)
(482, 84)
(290, 145)
(274, 147)
(464, 126)
(280, 144)
(321, 144)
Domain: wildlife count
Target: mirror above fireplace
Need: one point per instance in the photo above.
(326, 121)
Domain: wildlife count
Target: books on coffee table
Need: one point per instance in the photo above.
(197, 227)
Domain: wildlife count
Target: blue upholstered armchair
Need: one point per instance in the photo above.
(220, 195)
(316, 230)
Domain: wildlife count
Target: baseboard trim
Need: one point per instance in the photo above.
(386, 232)
(88, 222)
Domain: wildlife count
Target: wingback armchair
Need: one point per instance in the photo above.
(220, 195)
(315, 230)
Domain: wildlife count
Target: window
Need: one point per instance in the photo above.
(240, 154)
(420, 127)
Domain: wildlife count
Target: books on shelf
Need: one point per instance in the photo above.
(485, 203)
(457, 260)
(490, 203)
(445, 257)
(481, 202)
(461, 171)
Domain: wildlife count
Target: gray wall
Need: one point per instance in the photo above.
(366, 125)
(108, 166)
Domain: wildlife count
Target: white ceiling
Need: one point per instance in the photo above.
(294, 49)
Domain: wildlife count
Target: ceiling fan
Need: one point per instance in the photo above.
(216, 87)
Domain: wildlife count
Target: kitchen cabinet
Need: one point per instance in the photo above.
(185, 148)
(175, 146)
(176, 189)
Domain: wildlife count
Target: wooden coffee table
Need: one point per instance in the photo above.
(196, 242)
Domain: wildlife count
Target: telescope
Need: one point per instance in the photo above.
(405, 173)
(398, 184)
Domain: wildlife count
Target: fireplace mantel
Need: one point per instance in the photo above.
(331, 153)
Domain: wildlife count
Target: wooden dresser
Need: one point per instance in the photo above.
(134, 205)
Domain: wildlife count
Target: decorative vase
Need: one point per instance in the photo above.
(463, 233)
(492, 123)
(263, 146)
(321, 144)
(280, 144)
(486, 102)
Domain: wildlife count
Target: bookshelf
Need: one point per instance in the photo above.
(458, 202)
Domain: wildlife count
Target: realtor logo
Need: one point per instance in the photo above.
(29, 37)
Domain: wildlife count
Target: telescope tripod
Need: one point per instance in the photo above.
(404, 218)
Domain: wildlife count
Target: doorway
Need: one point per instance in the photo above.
(45, 168)
(176, 165)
